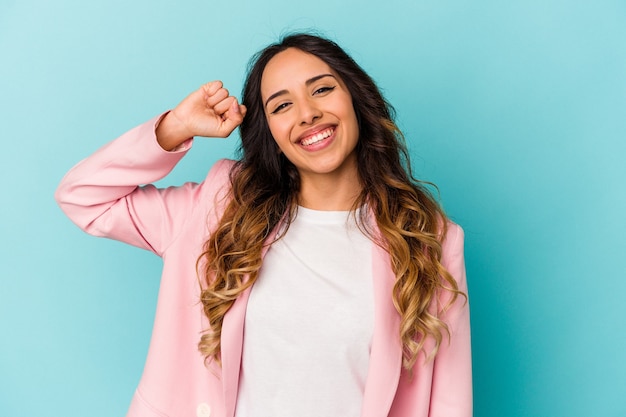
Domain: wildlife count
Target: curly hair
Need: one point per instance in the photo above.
(410, 224)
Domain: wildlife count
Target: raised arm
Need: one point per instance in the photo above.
(102, 194)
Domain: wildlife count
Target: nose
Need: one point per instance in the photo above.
(309, 112)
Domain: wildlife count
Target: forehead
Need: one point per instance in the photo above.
(290, 68)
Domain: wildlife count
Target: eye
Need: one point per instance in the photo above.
(280, 107)
(323, 90)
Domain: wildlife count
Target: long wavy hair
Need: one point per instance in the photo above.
(410, 224)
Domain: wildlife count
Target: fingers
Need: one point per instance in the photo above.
(234, 114)
(217, 97)
(218, 100)
(232, 117)
(224, 105)
(213, 96)
(212, 86)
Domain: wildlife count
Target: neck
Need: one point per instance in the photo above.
(329, 192)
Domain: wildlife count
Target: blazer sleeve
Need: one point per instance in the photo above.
(106, 196)
(451, 394)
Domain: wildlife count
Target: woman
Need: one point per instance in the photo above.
(330, 282)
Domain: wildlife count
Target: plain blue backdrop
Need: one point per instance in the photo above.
(515, 109)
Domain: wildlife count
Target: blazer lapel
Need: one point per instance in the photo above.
(386, 354)
(232, 342)
(232, 346)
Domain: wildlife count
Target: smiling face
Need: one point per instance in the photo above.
(310, 115)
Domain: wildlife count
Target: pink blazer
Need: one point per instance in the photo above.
(101, 195)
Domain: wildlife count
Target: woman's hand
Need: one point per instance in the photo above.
(209, 111)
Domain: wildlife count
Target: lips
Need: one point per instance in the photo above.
(320, 135)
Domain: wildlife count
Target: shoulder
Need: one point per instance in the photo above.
(218, 177)
(453, 244)
(220, 171)
(215, 189)
(454, 235)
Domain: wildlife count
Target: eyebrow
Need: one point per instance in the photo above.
(307, 83)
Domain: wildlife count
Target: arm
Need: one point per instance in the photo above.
(452, 375)
(102, 194)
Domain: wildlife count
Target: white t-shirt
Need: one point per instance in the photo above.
(309, 322)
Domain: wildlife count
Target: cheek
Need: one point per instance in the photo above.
(274, 136)
(349, 113)
(279, 131)
(354, 122)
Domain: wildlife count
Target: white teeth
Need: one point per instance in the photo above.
(317, 137)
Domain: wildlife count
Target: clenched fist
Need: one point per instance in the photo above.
(209, 111)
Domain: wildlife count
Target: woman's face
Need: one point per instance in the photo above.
(310, 114)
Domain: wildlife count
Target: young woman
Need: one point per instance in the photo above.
(313, 276)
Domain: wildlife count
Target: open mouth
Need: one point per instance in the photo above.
(318, 137)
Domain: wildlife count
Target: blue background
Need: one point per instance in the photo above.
(517, 110)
